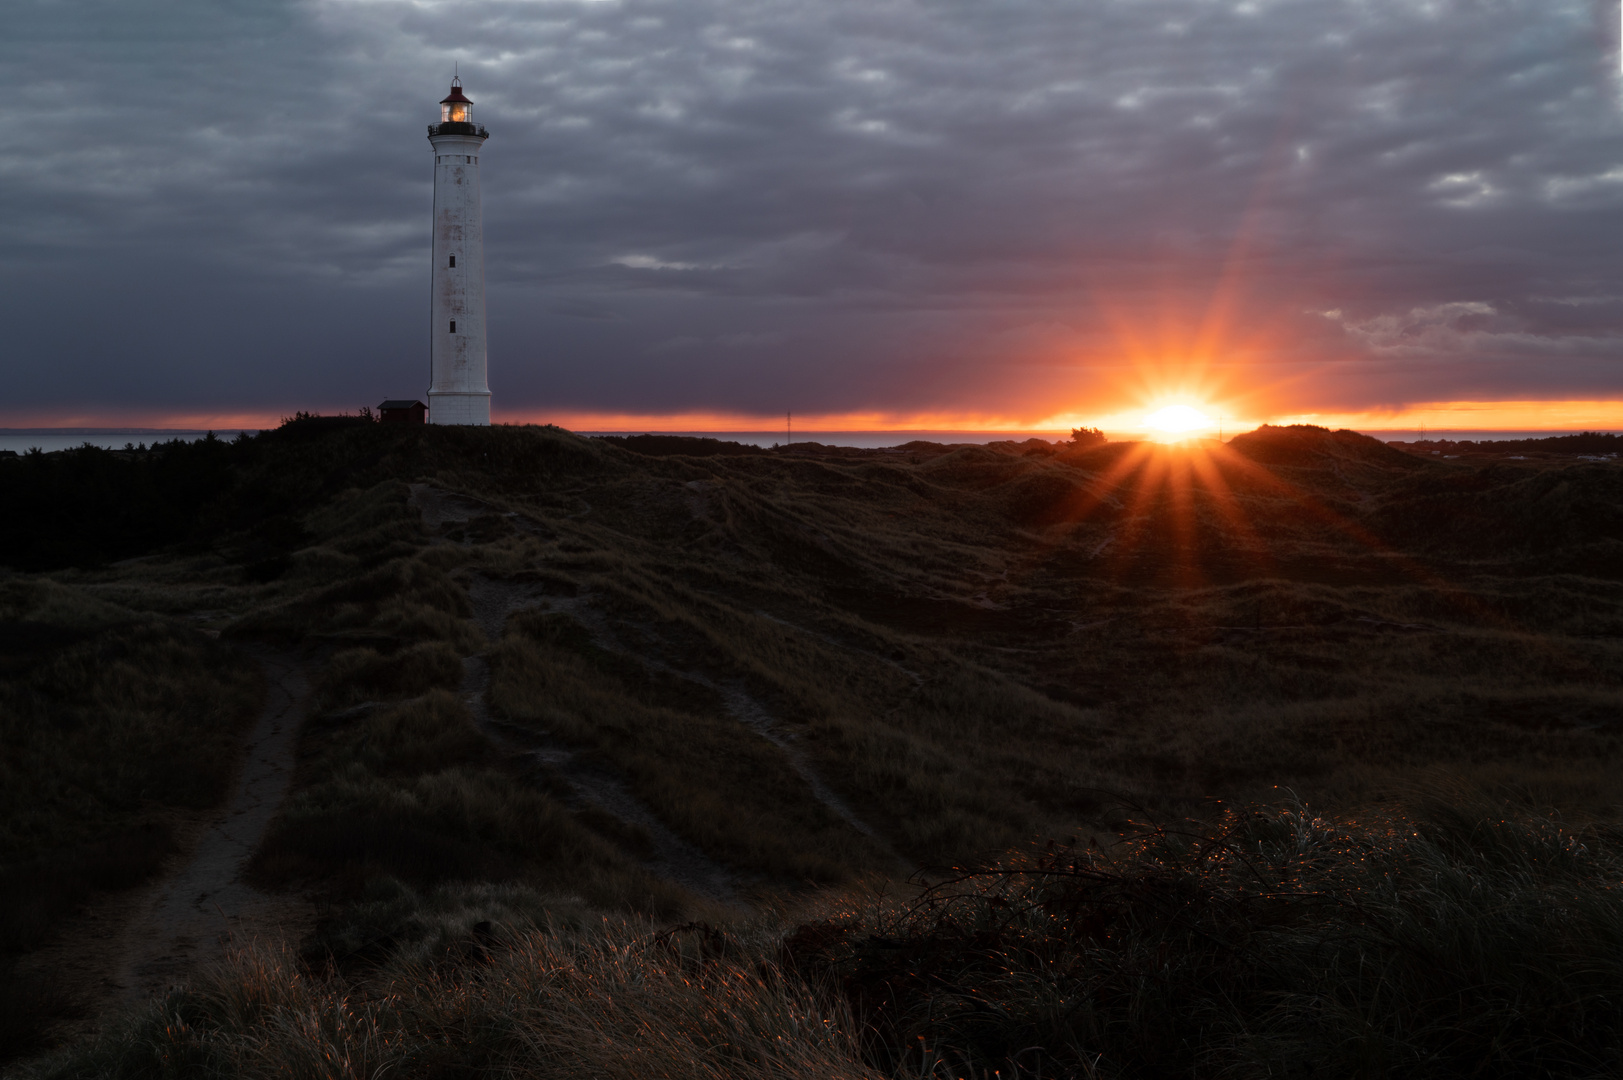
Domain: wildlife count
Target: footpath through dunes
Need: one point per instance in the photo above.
(103, 946)
(186, 921)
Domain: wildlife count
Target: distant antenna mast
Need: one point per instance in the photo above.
(788, 427)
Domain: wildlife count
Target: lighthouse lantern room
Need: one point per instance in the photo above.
(455, 108)
(458, 391)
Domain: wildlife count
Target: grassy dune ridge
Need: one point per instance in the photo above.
(557, 678)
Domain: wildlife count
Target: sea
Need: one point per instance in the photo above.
(21, 440)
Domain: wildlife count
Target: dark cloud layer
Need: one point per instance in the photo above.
(972, 206)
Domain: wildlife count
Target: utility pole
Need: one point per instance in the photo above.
(788, 427)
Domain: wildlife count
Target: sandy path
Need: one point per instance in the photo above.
(187, 918)
(126, 947)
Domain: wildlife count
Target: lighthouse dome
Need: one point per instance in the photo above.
(456, 115)
(455, 108)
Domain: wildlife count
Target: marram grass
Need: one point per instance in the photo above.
(620, 1002)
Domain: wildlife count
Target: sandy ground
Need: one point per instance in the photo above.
(189, 918)
(131, 946)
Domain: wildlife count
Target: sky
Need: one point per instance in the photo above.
(875, 213)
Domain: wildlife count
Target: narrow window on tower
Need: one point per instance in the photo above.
(453, 262)
(453, 326)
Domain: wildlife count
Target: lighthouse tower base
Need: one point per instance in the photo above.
(459, 408)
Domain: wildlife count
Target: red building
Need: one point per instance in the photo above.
(403, 412)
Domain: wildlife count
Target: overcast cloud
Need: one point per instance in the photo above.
(980, 207)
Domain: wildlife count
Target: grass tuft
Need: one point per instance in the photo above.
(619, 1004)
(365, 674)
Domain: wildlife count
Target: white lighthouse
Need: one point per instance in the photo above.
(458, 392)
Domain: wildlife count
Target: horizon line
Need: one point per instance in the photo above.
(631, 430)
(1482, 416)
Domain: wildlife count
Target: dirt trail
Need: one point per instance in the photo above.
(127, 947)
(187, 918)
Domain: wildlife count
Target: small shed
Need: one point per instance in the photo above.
(403, 412)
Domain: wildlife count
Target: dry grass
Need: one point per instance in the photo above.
(704, 772)
(353, 676)
(1437, 939)
(618, 1003)
(107, 715)
(416, 792)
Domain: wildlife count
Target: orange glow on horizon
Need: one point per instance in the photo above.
(1577, 415)
(1120, 418)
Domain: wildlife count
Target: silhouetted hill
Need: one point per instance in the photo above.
(1569, 517)
(1206, 511)
(1308, 446)
(1586, 442)
(686, 445)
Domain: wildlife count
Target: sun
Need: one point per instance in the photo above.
(1177, 420)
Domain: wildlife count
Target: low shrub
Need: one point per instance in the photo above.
(100, 732)
(421, 736)
(1453, 943)
(35, 893)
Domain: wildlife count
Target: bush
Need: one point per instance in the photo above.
(421, 736)
(127, 720)
(1088, 436)
(1277, 944)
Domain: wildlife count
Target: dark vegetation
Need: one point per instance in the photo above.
(1088, 436)
(682, 679)
(662, 445)
(1584, 442)
(114, 725)
(1424, 941)
(1267, 942)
